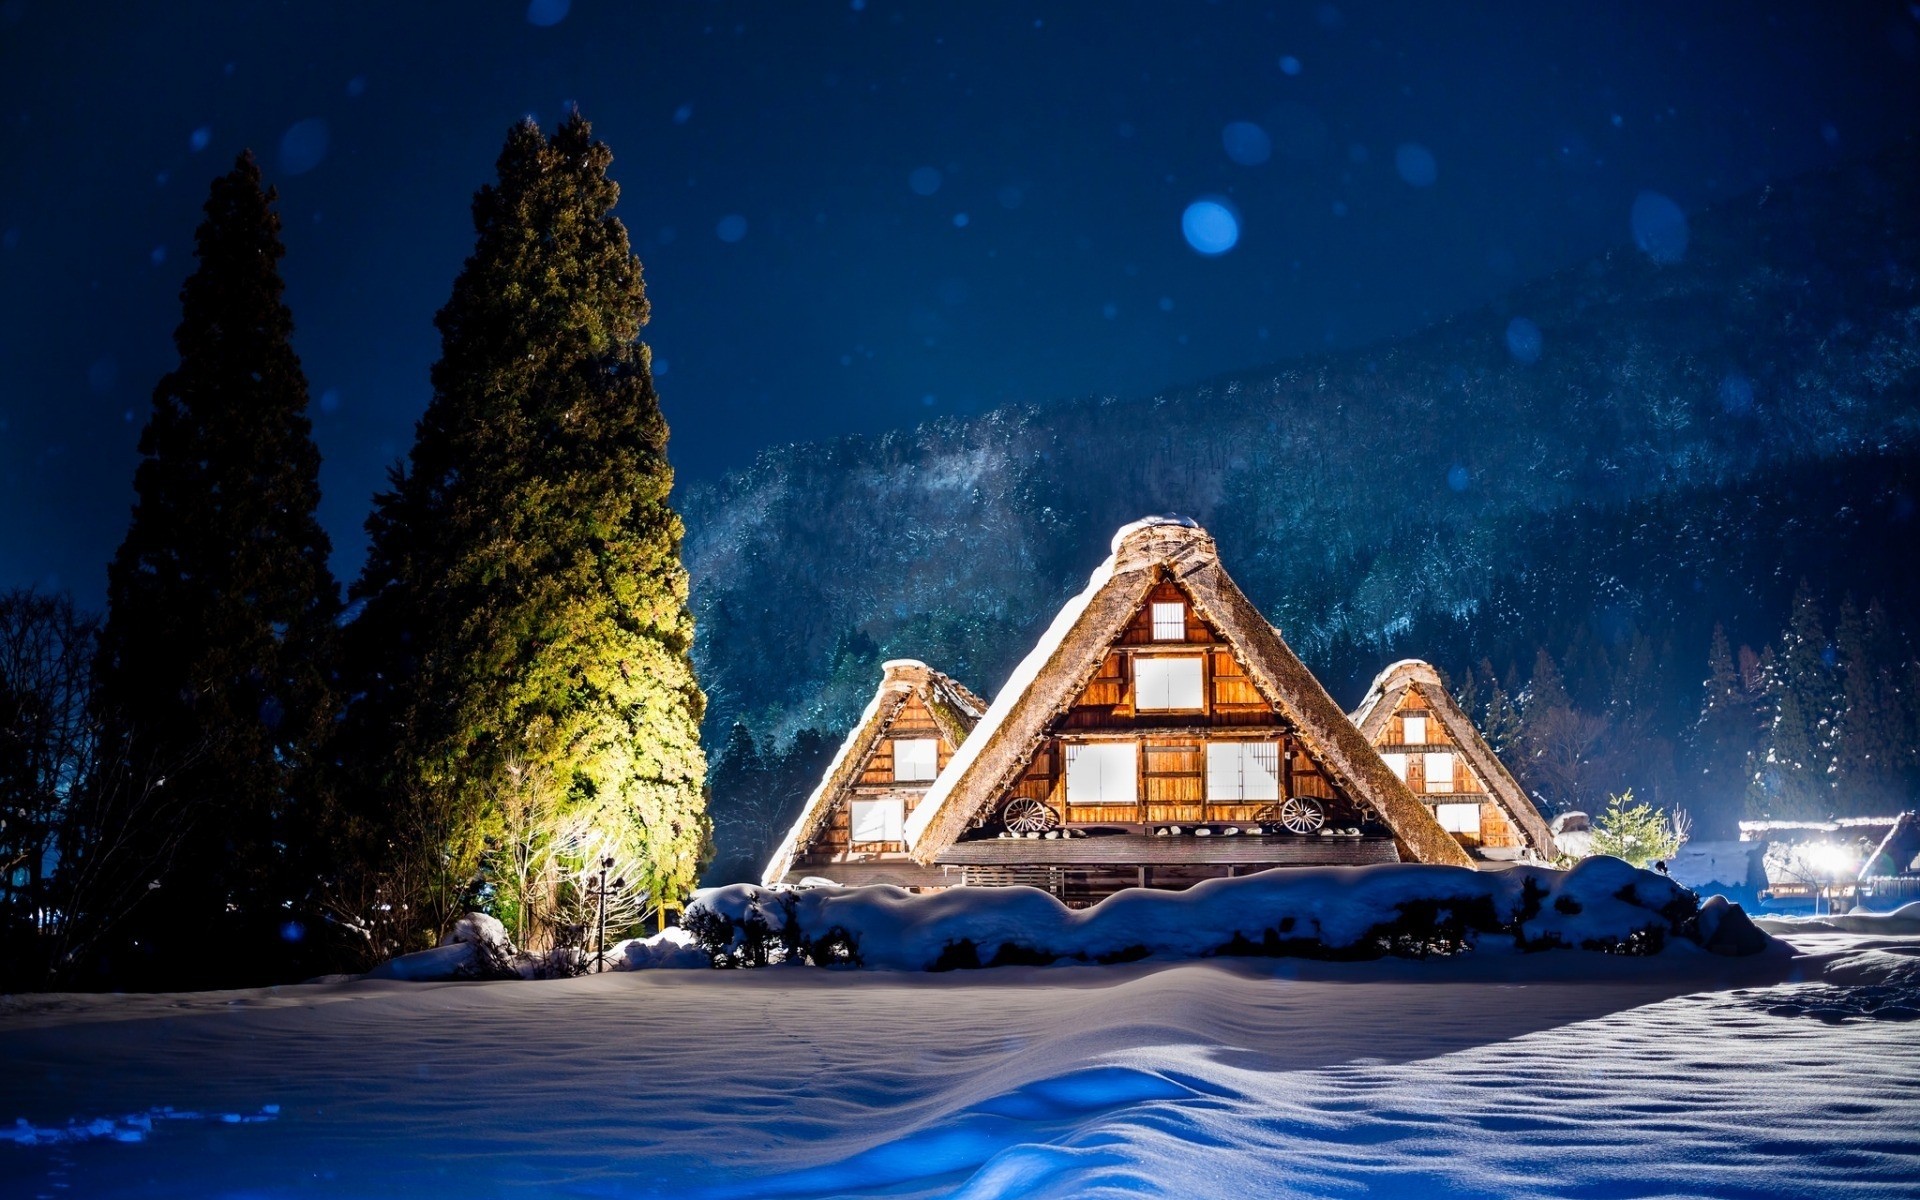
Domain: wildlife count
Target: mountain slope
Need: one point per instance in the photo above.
(1356, 497)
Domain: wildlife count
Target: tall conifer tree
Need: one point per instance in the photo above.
(525, 599)
(214, 664)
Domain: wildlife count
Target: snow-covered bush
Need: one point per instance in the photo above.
(1602, 904)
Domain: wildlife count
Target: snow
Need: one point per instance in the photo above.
(1602, 903)
(1547, 1075)
(1901, 922)
(671, 948)
(1703, 865)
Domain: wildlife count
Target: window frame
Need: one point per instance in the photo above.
(896, 820)
(1240, 752)
(1407, 737)
(1162, 620)
(934, 743)
(1199, 667)
(1449, 820)
(1110, 770)
(1427, 760)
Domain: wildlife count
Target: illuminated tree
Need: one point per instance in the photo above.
(525, 602)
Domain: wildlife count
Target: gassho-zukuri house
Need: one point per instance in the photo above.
(1160, 733)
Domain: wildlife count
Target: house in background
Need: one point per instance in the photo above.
(851, 830)
(1872, 861)
(1161, 733)
(1431, 743)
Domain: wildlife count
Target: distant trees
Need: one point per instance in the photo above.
(525, 617)
(215, 658)
(1835, 718)
(758, 789)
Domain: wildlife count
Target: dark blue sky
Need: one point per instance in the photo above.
(857, 215)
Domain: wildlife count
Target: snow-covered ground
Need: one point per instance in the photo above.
(1564, 1074)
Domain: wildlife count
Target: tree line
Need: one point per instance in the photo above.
(1821, 721)
(237, 775)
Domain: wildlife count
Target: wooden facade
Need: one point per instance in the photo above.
(852, 828)
(1430, 742)
(1162, 733)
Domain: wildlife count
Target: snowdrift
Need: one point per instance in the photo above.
(1602, 904)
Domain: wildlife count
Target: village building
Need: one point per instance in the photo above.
(851, 830)
(1160, 733)
(1873, 861)
(1431, 744)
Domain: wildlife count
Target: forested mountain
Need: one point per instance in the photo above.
(1630, 449)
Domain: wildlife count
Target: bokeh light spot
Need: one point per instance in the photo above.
(545, 13)
(1736, 394)
(1416, 164)
(960, 220)
(303, 146)
(1246, 143)
(1523, 340)
(158, 255)
(731, 228)
(356, 87)
(1659, 228)
(330, 400)
(199, 138)
(683, 114)
(1210, 226)
(102, 373)
(1289, 65)
(924, 181)
(1458, 478)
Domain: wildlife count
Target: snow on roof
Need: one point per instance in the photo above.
(1059, 665)
(1378, 707)
(954, 708)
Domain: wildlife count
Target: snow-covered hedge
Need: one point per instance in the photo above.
(1328, 912)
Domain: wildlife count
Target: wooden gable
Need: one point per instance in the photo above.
(1171, 759)
(1420, 732)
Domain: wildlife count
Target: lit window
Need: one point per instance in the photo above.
(1414, 729)
(1169, 622)
(1243, 771)
(915, 760)
(1167, 684)
(1439, 771)
(1101, 773)
(1397, 763)
(1458, 818)
(879, 820)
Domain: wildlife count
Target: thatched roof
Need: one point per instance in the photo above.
(1383, 698)
(1046, 682)
(955, 710)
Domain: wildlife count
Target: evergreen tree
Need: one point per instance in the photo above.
(214, 660)
(1723, 736)
(1637, 832)
(524, 597)
(1871, 725)
(1794, 771)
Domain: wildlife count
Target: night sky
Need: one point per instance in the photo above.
(854, 216)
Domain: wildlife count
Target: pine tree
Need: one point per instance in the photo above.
(1794, 770)
(1723, 736)
(1870, 724)
(215, 659)
(525, 599)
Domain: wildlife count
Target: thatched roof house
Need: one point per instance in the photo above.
(1429, 741)
(1162, 731)
(850, 830)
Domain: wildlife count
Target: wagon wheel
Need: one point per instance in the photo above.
(1024, 814)
(1301, 815)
